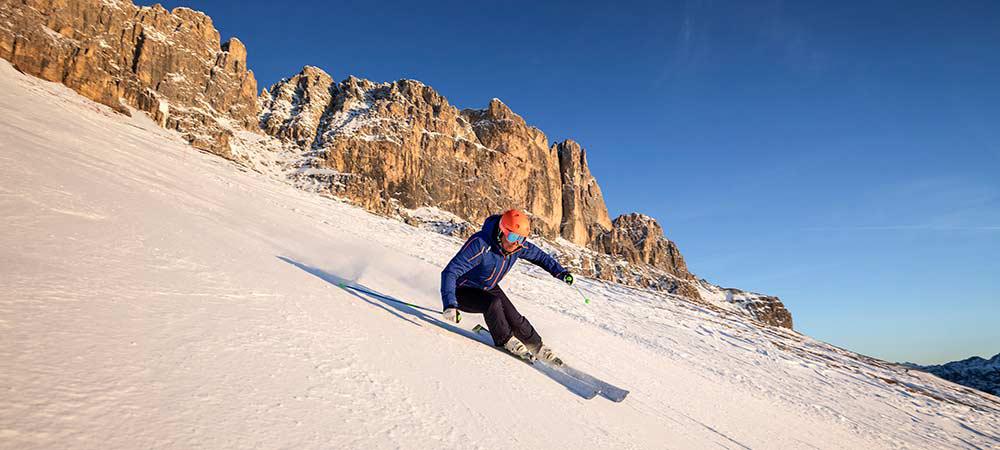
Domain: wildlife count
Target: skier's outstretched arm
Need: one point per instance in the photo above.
(468, 257)
(541, 259)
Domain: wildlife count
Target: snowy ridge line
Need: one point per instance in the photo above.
(974, 372)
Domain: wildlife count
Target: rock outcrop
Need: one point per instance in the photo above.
(614, 268)
(764, 308)
(638, 238)
(770, 310)
(168, 64)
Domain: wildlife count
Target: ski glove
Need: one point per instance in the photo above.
(567, 278)
(451, 315)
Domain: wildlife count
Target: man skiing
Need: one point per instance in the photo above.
(470, 282)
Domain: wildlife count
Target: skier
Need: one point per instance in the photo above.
(470, 283)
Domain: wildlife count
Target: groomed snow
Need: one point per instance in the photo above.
(157, 297)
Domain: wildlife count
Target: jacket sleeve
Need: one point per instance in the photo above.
(469, 256)
(541, 259)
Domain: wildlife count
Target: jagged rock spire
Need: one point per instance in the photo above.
(585, 216)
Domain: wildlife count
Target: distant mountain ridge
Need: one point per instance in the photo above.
(974, 372)
(394, 148)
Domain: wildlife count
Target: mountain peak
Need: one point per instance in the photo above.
(314, 71)
(498, 110)
(974, 372)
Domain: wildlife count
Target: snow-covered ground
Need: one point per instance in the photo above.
(155, 296)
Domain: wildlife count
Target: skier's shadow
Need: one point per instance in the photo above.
(395, 307)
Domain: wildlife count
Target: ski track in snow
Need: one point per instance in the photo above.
(156, 296)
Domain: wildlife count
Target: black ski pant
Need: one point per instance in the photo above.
(502, 317)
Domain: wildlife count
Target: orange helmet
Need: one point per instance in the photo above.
(514, 229)
(515, 221)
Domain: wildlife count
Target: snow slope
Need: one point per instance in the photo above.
(155, 296)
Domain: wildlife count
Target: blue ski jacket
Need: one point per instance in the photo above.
(481, 263)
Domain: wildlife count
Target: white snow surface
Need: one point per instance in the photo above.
(154, 296)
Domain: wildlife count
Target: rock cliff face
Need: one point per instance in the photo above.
(293, 109)
(530, 169)
(585, 217)
(397, 145)
(398, 149)
(168, 64)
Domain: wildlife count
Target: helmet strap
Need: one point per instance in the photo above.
(500, 240)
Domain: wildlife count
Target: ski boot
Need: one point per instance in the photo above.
(545, 354)
(516, 348)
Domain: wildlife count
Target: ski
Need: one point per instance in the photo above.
(605, 389)
(601, 387)
(573, 384)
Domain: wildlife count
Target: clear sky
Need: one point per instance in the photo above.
(844, 156)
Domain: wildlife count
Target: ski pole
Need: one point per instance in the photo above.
(585, 299)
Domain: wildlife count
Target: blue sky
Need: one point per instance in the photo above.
(841, 155)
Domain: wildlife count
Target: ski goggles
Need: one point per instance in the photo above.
(513, 237)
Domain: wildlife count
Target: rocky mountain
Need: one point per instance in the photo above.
(392, 148)
(168, 64)
(399, 147)
(974, 372)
